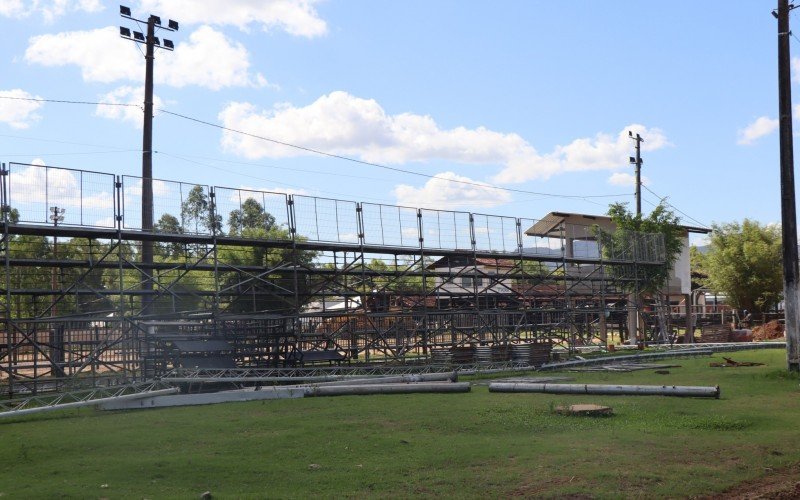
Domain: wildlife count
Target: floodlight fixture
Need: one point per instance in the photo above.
(632, 160)
(125, 32)
(138, 36)
(168, 44)
(124, 11)
(173, 25)
(156, 41)
(156, 20)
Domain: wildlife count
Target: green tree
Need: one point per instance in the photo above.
(198, 212)
(744, 263)
(251, 216)
(628, 236)
(169, 224)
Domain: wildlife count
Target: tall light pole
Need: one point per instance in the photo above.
(788, 210)
(151, 42)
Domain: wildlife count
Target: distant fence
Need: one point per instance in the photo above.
(101, 200)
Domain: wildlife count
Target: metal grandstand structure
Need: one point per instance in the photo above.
(245, 279)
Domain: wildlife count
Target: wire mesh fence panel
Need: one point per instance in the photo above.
(390, 225)
(255, 214)
(326, 220)
(59, 196)
(621, 246)
(545, 244)
(446, 230)
(650, 248)
(494, 233)
(583, 240)
(178, 207)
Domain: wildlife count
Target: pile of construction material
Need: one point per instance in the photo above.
(531, 354)
(712, 334)
(525, 354)
(769, 331)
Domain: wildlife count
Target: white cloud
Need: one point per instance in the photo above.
(603, 152)
(626, 179)
(104, 57)
(35, 185)
(441, 193)
(126, 95)
(18, 113)
(12, 8)
(48, 9)
(343, 124)
(160, 188)
(762, 126)
(296, 17)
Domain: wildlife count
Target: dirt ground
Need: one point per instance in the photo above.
(777, 484)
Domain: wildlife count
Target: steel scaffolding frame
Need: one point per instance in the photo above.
(284, 276)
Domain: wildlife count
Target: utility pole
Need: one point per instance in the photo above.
(633, 298)
(637, 160)
(147, 165)
(788, 210)
(56, 215)
(151, 42)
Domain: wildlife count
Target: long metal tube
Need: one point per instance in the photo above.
(397, 379)
(609, 390)
(361, 390)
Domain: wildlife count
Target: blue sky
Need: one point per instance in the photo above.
(534, 96)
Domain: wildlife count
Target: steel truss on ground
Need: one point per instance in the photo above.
(281, 280)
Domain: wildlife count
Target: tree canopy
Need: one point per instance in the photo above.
(744, 263)
(660, 221)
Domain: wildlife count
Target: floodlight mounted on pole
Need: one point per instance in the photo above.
(151, 42)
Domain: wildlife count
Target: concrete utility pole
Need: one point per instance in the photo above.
(151, 42)
(637, 160)
(147, 164)
(633, 316)
(788, 210)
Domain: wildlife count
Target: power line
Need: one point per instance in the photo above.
(664, 200)
(64, 101)
(330, 155)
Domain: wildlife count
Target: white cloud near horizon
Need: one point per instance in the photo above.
(50, 10)
(625, 179)
(760, 127)
(104, 57)
(341, 123)
(296, 17)
(18, 113)
(441, 193)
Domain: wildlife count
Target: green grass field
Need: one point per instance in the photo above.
(452, 445)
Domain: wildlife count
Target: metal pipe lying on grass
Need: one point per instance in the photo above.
(610, 390)
(396, 379)
(415, 388)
